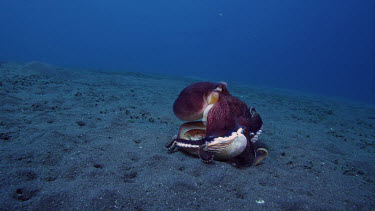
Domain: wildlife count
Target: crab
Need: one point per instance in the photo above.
(218, 125)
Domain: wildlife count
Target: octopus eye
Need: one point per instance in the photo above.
(253, 112)
(221, 86)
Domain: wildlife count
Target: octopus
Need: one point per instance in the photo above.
(218, 126)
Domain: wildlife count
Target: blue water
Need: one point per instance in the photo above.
(319, 46)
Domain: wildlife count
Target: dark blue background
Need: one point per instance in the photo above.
(322, 46)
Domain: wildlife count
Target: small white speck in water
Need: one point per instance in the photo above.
(260, 201)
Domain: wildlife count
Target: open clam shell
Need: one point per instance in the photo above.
(191, 137)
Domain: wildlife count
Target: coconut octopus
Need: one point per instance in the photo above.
(219, 126)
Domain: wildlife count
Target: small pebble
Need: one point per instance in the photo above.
(81, 123)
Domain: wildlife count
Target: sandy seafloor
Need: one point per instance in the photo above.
(92, 140)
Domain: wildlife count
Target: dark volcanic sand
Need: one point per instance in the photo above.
(92, 140)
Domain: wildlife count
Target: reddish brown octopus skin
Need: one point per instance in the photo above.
(228, 114)
(190, 103)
